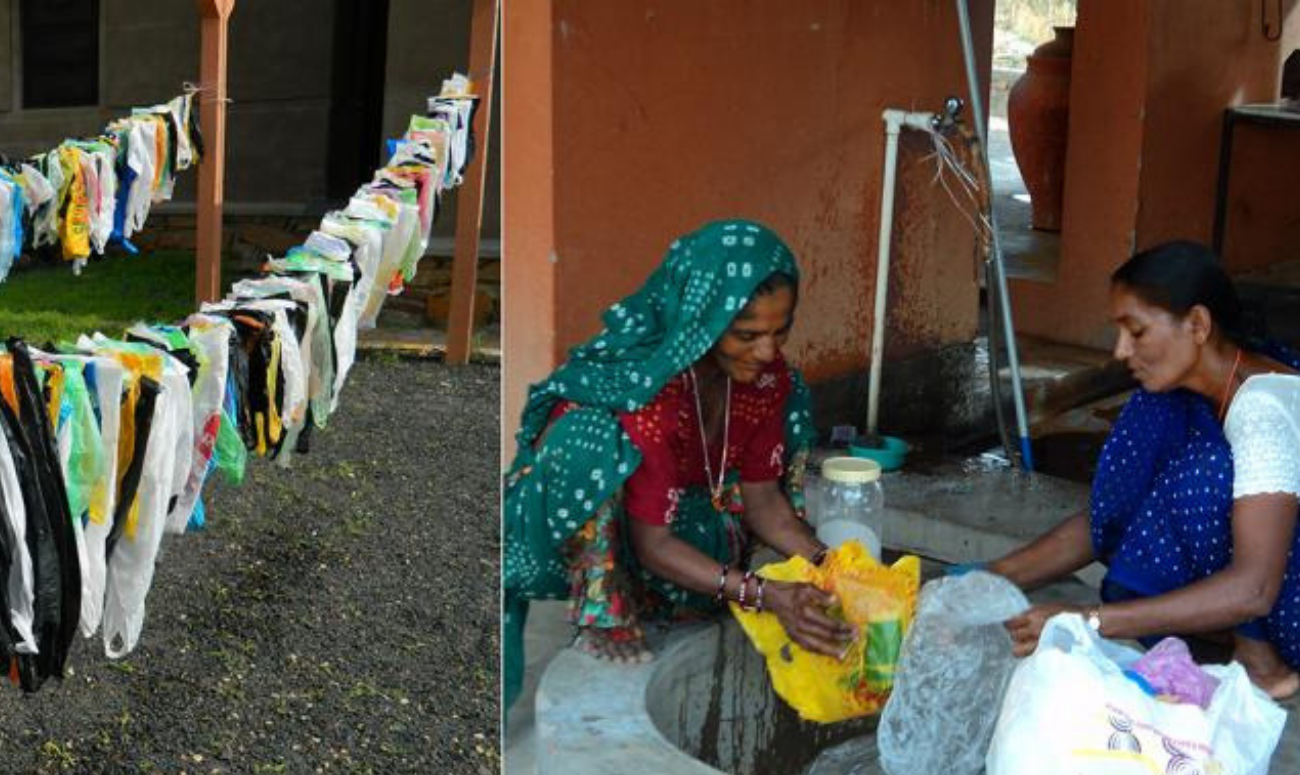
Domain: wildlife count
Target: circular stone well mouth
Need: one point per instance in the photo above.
(704, 705)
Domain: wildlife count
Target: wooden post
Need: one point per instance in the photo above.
(469, 216)
(214, 16)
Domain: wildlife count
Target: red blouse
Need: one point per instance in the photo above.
(667, 432)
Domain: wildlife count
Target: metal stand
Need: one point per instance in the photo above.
(995, 257)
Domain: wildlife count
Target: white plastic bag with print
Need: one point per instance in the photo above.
(110, 379)
(954, 668)
(1069, 710)
(367, 238)
(131, 565)
(210, 335)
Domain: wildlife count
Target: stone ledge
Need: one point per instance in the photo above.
(592, 717)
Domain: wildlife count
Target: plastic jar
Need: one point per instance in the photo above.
(850, 503)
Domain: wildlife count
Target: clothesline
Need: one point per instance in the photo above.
(86, 193)
(107, 443)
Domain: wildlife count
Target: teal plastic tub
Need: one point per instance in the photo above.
(889, 455)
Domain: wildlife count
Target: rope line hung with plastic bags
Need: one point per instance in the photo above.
(85, 194)
(108, 442)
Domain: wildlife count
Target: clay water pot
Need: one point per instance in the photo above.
(1038, 116)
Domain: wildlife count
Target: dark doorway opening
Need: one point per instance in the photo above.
(60, 44)
(356, 93)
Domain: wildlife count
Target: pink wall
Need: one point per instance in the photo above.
(528, 228)
(666, 115)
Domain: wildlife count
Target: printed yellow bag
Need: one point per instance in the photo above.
(74, 228)
(878, 600)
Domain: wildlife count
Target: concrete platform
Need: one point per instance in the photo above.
(590, 717)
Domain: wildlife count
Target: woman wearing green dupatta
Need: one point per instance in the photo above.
(649, 457)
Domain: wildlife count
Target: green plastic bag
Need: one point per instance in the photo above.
(230, 455)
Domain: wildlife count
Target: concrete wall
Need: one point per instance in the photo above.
(528, 293)
(168, 31)
(665, 115)
(7, 63)
(281, 59)
(277, 127)
(1150, 82)
(427, 41)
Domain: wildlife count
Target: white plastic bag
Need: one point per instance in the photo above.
(955, 665)
(1069, 710)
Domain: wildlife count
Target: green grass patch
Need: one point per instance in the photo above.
(47, 302)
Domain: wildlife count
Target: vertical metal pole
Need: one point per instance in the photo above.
(999, 272)
(469, 216)
(214, 15)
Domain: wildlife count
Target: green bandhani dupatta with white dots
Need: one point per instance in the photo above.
(650, 337)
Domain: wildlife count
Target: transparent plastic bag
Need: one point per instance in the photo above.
(954, 669)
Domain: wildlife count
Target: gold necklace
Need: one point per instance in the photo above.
(1227, 386)
(715, 490)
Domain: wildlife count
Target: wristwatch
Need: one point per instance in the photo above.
(1093, 617)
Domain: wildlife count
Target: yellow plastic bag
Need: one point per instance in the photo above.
(876, 599)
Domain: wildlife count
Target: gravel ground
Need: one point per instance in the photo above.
(339, 616)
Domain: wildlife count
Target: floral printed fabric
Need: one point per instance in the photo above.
(609, 589)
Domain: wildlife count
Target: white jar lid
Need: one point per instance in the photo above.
(850, 470)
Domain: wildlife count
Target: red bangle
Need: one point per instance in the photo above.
(721, 595)
(744, 584)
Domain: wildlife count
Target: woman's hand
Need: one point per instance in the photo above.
(1026, 628)
(801, 609)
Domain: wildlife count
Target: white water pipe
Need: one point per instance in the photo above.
(895, 121)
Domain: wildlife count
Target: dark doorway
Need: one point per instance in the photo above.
(60, 42)
(356, 93)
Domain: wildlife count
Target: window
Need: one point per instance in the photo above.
(60, 45)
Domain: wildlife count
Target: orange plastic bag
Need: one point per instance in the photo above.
(878, 600)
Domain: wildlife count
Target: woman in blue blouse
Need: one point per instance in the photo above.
(1194, 503)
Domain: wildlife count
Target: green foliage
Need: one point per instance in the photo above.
(1020, 25)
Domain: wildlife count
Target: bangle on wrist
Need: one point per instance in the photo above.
(721, 595)
(744, 585)
(759, 595)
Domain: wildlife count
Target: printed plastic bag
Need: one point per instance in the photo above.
(1069, 709)
(876, 599)
(955, 666)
